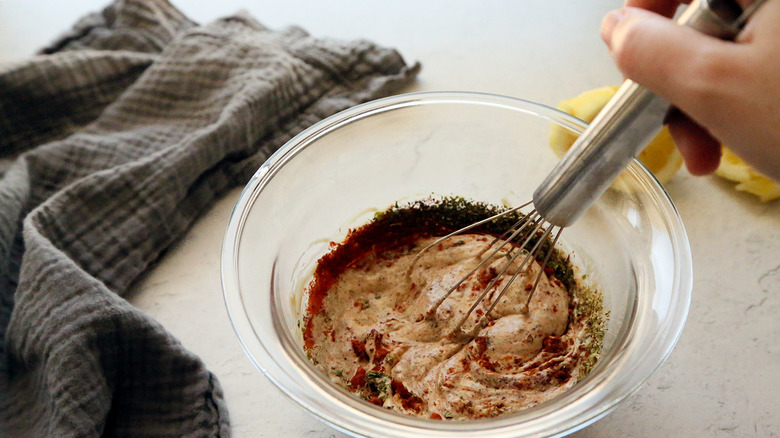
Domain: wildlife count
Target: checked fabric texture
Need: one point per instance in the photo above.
(112, 141)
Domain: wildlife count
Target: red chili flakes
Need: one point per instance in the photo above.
(435, 416)
(468, 410)
(359, 379)
(549, 271)
(408, 399)
(522, 385)
(359, 349)
(375, 400)
(528, 287)
(481, 343)
(485, 276)
(487, 364)
(562, 375)
(481, 348)
(553, 344)
(380, 351)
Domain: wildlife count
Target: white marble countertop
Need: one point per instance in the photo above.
(723, 378)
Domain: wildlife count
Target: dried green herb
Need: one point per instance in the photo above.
(440, 216)
(589, 310)
(378, 382)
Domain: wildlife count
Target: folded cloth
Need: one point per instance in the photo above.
(114, 139)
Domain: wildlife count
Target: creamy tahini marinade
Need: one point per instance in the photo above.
(374, 327)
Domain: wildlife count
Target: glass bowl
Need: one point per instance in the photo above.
(335, 175)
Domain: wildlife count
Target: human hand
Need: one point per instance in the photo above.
(724, 92)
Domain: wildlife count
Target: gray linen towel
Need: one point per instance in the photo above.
(113, 140)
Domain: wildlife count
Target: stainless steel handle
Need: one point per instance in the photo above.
(623, 128)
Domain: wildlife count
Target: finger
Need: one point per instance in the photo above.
(700, 150)
(678, 63)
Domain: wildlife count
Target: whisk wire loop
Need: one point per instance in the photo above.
(464, 229)
(531, 255)
(512, 244)
(544, 265)
(513, 254)
(512, 233)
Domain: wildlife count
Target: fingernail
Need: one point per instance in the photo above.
(608, 24)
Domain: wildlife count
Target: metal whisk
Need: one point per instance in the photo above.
(615, 137)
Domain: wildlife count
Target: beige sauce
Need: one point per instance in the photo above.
(380, 334)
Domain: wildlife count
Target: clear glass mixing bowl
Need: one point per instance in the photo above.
(336, 174)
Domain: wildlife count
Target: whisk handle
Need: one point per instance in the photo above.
(629, 121)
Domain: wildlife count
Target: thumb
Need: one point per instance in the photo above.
(661, 55)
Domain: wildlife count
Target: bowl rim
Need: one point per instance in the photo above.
(363, 420)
